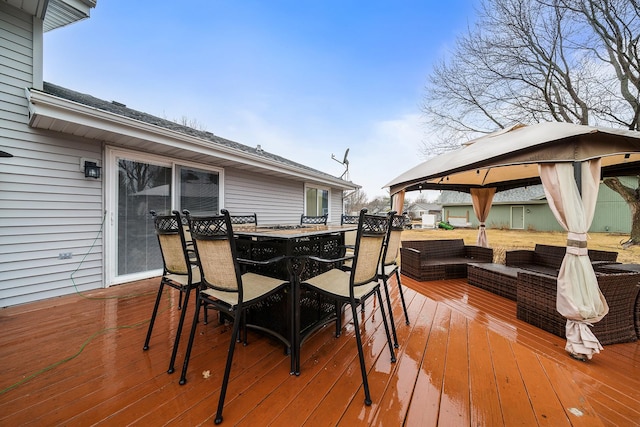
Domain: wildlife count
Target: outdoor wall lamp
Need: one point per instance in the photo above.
(91, 170)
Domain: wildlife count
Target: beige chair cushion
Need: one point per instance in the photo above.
(336, 282)
(389, 269)
(183, 279)
(393, 247)
(253, 285)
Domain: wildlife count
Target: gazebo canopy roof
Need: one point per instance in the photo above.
(508, 158)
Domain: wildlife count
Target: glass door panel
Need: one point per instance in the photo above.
(199, 191)
(141, 187)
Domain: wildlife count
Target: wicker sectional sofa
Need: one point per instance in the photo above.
(547, 259)
(426, 260)
(530, 278)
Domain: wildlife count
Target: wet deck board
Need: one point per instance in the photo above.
(464, 360)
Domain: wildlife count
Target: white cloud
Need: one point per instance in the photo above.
(391, 148)
(387, 148)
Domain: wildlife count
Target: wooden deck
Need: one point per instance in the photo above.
(464, 360)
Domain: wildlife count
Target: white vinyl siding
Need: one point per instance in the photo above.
(47, 206)
(335, 206)
(275, 200)
(16, 73)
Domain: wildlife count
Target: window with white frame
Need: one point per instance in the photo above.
(316, 200)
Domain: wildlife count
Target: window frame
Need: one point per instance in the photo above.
(317, 187)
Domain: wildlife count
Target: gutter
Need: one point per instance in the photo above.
(50, 106)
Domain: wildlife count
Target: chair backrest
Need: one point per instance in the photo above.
(244, 219)
(392, 241)
(318, 220)
(372, 230)
(216, 251)
(349, 219)
(173, 244)
(350, 236)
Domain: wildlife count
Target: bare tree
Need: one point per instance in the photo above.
(632, 197)
(354, 201)
(529, 61)
(191, 122)
(615, 31)
(517, 65)
(379, 204)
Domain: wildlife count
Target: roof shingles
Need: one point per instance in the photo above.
(123, 110)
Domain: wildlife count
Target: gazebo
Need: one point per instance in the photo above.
(569, 160)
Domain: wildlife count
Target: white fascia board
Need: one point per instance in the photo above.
(46, 105)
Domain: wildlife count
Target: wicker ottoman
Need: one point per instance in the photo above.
(496, 278)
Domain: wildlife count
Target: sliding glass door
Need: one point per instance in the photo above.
(140, 186)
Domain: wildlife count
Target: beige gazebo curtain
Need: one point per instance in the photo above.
(578, 297)
(397, 202)
(482, 199)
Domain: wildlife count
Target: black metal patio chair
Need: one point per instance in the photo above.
(349, 236)
(224, 287)
(244, 219)
(180, 271)
(354, 286)
(315, 220)
(389, 266)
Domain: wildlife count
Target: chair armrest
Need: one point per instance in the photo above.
(329, 260)
(264, 262)
(343, 249)
(410, 262)
(410, 251)
(410, 255)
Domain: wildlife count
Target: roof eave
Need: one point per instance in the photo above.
(44, 108)
(59, 13)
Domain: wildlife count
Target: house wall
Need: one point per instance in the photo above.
(537, 217)
(47, 207)
(335, 208)
(612, 213)
(274, 200)
(51, 216)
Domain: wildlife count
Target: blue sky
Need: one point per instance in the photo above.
(304, 79)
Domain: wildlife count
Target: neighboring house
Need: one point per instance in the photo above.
(424, 215)
(416, 210)
(63, 232)
(527, 209)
